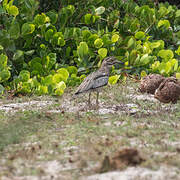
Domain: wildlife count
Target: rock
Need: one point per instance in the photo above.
(168, 91)
(121, 159)
(150, 83)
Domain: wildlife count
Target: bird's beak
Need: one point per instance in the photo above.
(118, 62)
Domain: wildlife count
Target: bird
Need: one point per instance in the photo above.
(97, 79)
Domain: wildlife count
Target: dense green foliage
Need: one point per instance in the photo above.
(42, 50)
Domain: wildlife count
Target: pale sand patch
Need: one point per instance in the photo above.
(147, 97)
(14, 107)
(138, 173)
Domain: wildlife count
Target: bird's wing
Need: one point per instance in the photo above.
(100, 80)
(94, 80)
(86, 84)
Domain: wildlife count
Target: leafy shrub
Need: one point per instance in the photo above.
(46, 48)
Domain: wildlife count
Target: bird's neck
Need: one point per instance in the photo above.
(105, 69)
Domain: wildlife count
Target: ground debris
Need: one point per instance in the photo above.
(121, 159)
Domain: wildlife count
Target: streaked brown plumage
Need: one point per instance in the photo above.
(97, 79)
(168, 91)
(150, 83)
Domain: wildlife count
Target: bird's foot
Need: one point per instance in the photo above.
(96, 107)
(89, 106)
(93, 107)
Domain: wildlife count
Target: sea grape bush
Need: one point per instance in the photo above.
(44, 50)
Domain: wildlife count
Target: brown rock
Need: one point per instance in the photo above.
(121, 159)
(168, 91)
(150, 83)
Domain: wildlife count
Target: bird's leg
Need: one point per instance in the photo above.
(89, 100)
(97, 102)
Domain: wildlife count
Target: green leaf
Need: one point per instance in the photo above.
(13, 10)
(102, 52)
(157, 44)
(131, 43)
(58, 39)
(137, 60)
(162, 68)
(27, 28)
(11, 2)
(24, 75)
(70, 10)
(58, 92)
(163, 11)
(52, 60)
(57, 78)
(36, 67)
(49, 34)
(18, 54)
(34, 60)
(145, 59)
(98, 43)
(143, 74)
(68, 51)
(1, 89)
(86, 34)
(89, 18)
(4, 75)
(178, 13)
(5, 2)
(132, 56)
(64, 72)
(53, 16)
(178, 75)
(115, 38)
(166, 54)
(113, 79)
(154, 45)
(42, 90)
(155, 66)
(61, 85)
(40, 19)
(178, 51)
(82, 50)
(42, 46)
(100, 10)
(72, 70)
(175, 63)
(164, 23)
(61, 41)
(48, 80)
(146, 48)
(168, 67)
(1, 48)
(140, 35)
(30, 52)
(14, 30)
(134, 25)
(3, 61)
(60, 88)
(24, 87)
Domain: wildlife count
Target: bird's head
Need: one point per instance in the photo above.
(110, 61)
